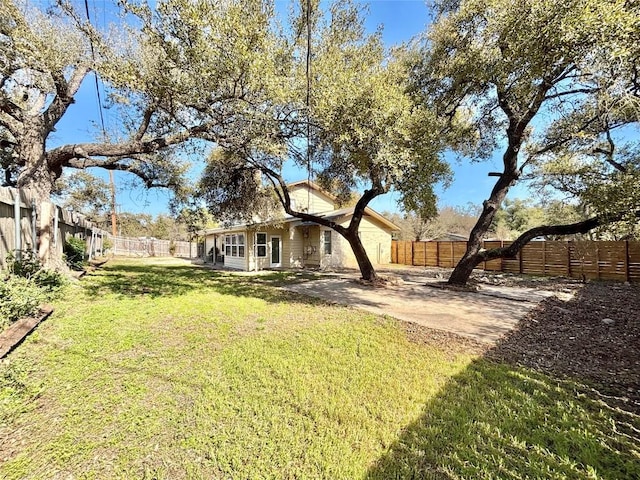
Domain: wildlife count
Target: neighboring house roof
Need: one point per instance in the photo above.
(450, 237)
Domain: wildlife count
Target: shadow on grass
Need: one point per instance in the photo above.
(519, 412)
(132, 280)
(496, 421)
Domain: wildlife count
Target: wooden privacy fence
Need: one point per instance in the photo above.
(64, 224)
(576, 259)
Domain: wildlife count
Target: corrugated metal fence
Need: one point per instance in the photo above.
(579, 259)
(67, 224)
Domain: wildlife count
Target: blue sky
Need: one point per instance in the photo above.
(401, 20)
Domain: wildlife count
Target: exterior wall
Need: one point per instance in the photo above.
(341, 254)
(376, 241)
(296, 247)
(212, 241)
(265, 262)
(306, 197)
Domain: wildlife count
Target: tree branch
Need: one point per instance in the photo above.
(65, 93)
(282, 191)
(61, 156)
(568, 229)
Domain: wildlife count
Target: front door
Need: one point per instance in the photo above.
(276, 251)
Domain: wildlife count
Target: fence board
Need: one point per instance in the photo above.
(72, 225)
(578, 259)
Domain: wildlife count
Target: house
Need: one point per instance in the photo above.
(450, 237)
(292, 243)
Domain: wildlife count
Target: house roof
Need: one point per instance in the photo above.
(347, 211)
(313, 186)
(330, 214)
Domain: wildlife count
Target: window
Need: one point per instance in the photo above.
(234, 245)
(261, 244)
(326, 242)
(241, 245)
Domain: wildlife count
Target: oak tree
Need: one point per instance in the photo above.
(542, 79)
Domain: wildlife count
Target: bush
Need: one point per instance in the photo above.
(19, 297)
(28, 265)
(27, 286)
(74, 250)
(106, 245)
(49, 280)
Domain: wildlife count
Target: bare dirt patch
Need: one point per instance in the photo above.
(595, 337)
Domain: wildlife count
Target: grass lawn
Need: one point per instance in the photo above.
(156, 369)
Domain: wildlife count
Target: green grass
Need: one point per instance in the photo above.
(163, 370)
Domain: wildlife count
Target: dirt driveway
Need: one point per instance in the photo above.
(483, 316)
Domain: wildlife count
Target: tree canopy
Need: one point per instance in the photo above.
(544, 81)
(352, 125)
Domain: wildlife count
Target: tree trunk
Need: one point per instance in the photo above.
(366, 267)
(464, 268)
(471, 258)
(37, 177)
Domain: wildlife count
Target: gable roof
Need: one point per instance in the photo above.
(313, 186)
(330, 214)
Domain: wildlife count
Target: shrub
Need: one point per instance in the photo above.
(49, 280)
(28, 265)
(106, 244)
(19, 297)
(74, 250)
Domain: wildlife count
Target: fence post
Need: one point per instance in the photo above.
(484, 247)
(597, 262)
(437, 254)
(544, 257)
(452, 262)
(18, 233)
(520, 260)
(424, 246)
(412, 254)
(34, 226)
(569, 258)
(626, 261)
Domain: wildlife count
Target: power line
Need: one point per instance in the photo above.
(308, 103)
(95, 74)
(114, 228)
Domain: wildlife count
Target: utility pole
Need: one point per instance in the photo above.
(114, 228)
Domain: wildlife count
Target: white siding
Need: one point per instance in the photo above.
(306, 197)
(376, 241)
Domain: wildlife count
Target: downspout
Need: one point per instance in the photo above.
(16, 216)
